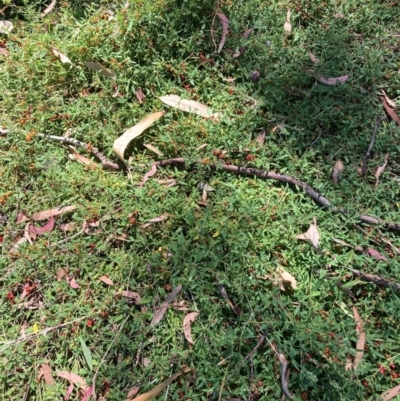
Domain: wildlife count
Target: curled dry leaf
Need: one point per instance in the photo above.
(63, 58)
(311, 234)
(70, 389)
(73, 378)
(155, 220)
(21, 218)
(314, 59)
(44, 229)
(94, 66)
(160, 311)
(338, 168)
(72, 282)
(49, 9)
(153, 149)
(187, 331)
(360, 342)
(284, 375)
(132, 392)
(380, 170)
(287, 26)
(189, 106)
(140, 96)
(45, 371)
(123, 141)
(225, 29)
(390, 102)
(157, 390)
(46, 214)
(6, 27)
(333, 81)
(106, 280)
(390, 111)
(74, 155)
(286, 280)
(149, 174)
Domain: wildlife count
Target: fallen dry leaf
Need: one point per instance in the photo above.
(70, 389)
(140, 96)
(189, 106)
(286, 280)
(360, 342)
(92, 228)
(202, 146)
(170, 182)
(333, 81)
(49, 9)
(338, 168)
(46, 214)
(380, 170)
(62, 57)
(187, 331)
(338, 16)
(30, 236)
(390, 102)
(21, 218)
(15, 247)
(287, 25)
(314, 59)
(45, 371)
(247, 33)
(44, 229)
(390, 394)
(73, 378)
(6, 27)
(61, 273)
(225, 29)
(94, 66)
(77, 156)
(132, 392)
(153, 149)
(390, 111)
(106, 280)
(311, 234)
(149, 174)
(88, 393)
(160, 311)
(157, 390)
(65, 227)
(375, 254)
(155, 220)
(72, 282)
(146, 362)
(123, 141)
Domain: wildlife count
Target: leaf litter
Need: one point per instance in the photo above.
(187, 330)
(97, 67)
(149, 174)
(390, 111)
(311, 234)
(73, 378)
(332, 81)
(50, 7)
(225, 30)
(45, 372)
(287, 26)
(157, 219)
(61, 56)
(159, 312)
(360, 345)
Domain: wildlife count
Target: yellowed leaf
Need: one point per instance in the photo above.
(157, 390)
(123, 141)
(189, 106)
(187, 331)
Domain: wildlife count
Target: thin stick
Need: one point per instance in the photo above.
(371, 145)
(375, 279)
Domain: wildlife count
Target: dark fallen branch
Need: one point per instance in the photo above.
(245, 171)
(375, 279)
(371, 145)
(107, 163)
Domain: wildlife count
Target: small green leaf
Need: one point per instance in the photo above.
(87, 353)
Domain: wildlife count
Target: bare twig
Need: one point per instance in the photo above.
(368, 154)
(224, 294)
(375, 279)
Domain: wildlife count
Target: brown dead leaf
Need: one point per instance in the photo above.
(78, 157)
(21, 218)
(180, 306)
(121, 143)
(390, 394)
(375, 254)
(61, 273)
(338, 16)
(45, 371)
(189, 106)
(44, 229)
(333, 81)
(390, 111)
(46, 214)
(286, 280)
(132, 392)
(62, 57)
(149, 174)
(140, 96)
(187, 331)
(360, 342)
(49, 9)
(390, 102)
(73, 378)
(225, 30)
(155, 220)
(260, 137)
(338, 168)
(160, 311)
(92, 228)
(247, 33)
(311, 234)
(157, 390)
(72, 283)
(380, 170)
(153, 149)
(15, 247)
(131, 295)
(287, 26)
(106, 280)
(65, 227)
